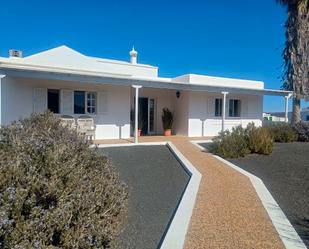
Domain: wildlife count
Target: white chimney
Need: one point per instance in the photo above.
(133, 56)
(15, 53)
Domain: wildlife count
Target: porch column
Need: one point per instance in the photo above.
(223, 110)
(1, 77)
(286, 98)
(136, 113)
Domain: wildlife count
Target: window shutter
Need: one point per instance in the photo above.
(227, 107)
(244, 107)
(39, 99)
(211, 107)
(102, 102)
(66, 102)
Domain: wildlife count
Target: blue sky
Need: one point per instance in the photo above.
(240, 38)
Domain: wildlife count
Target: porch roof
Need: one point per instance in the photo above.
(125, 80)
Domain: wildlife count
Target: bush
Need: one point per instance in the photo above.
(241, 142)
(302, 131)
(282, 132)
(55, 192)
(260, 141)
(230, 144)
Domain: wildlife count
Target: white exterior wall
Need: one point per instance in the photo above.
(17, 102)
(181, 114)
(202, 120)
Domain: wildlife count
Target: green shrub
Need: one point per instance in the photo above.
(230, 144)
(302, 131)
(282, 132)
(260, 141)
(240, 142)
(55, 192)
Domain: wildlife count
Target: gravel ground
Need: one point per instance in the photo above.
(286, 174)
(156, 182)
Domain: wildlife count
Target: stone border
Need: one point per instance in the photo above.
(286, 231)
(176, 232)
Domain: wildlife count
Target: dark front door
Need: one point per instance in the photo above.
(143, 115)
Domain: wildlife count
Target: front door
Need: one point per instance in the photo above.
(143, 115)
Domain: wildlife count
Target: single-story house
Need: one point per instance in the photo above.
(70, 83)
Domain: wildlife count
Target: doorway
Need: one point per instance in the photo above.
(143, 115)
(146, 115)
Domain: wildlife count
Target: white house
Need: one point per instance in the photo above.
(68, 82)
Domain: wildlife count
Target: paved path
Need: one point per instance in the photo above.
(228, 212)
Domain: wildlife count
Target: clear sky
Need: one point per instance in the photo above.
(229, 38)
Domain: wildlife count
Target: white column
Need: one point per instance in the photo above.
(1, 77)
(286, 98)
(223, 110)
(136, 113)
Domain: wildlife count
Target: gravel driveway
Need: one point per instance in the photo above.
(286, 174)
(156, 181)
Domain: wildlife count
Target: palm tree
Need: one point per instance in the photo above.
(296, 53)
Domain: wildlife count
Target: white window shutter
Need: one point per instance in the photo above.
(39, 99)
(66, 102)
(102, 102)
(211, 107)
(227, 106)
(244, 107)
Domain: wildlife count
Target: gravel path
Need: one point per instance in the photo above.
(156, 182)
(286, 174)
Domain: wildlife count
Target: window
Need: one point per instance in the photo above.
(79, 102)
(307, 118)
(234, 108)
(84, 102)
(218, 107)
(91, 102)
(53, 100)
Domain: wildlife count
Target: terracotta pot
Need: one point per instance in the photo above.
(139, 132)
(168, 132)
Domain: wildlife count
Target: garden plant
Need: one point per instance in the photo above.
(56, 192)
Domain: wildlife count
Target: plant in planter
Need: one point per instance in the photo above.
(167, 121)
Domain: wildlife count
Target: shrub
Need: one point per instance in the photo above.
(230, 144)
(282, 132)
(260, 141)
(302, 131)
(55, 192)
(240, 142)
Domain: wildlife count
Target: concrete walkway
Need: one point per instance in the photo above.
(228, 212)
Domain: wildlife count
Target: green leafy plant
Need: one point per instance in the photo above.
(282, 132)
(242, 141)
(167, 119)
(260, 141)
(56, 192)
(230, 144)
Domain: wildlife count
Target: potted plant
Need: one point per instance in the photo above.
(167, 121)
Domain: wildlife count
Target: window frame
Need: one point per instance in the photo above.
(92, 105)
(232, 112)
(218, 113)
